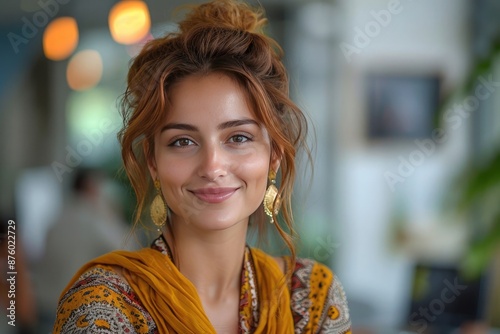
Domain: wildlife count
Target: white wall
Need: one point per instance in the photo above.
(419, 37)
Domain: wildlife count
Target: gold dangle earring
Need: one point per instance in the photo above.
(158, 209)
(271, 199)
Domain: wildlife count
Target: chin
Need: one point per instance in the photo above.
(214, 222)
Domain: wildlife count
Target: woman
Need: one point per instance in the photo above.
(208, 124)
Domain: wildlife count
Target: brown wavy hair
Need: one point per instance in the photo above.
(222, 36)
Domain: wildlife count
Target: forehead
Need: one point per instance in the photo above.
(214, 95)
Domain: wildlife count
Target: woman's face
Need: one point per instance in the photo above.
(212, 157)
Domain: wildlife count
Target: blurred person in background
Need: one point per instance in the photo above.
(209, 125)
(88, 226)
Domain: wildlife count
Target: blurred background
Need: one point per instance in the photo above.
(403, 96)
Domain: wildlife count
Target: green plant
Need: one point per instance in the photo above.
(481, 196)
(480, 187)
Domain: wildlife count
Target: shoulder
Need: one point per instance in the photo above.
(101, 301)
(318, 299)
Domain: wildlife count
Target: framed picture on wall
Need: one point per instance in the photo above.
(401, 106)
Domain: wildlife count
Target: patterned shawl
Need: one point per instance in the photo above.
(173, 301)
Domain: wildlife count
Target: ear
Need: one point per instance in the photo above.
(275, 160)
(150, 159)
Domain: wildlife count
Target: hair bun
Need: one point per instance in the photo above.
(230, 14)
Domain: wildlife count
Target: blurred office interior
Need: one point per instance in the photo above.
(403, 97)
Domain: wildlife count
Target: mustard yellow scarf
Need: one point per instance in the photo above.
(173, 302)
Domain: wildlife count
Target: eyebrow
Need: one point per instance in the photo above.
(222, 126)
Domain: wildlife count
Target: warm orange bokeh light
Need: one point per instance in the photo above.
(60, 38)
(129, 21)
(84, 70)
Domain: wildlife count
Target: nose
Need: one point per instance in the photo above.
(213, 163)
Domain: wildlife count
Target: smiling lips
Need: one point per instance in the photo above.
(214, 195)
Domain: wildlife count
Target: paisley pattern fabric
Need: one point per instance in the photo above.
(318, 300)
(101, 301)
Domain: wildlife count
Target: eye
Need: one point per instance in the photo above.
(239, 139)
(181, 142)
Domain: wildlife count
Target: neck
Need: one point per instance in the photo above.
(211, 260)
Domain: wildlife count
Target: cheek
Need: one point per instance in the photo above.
(172, 175)
(254, 173)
